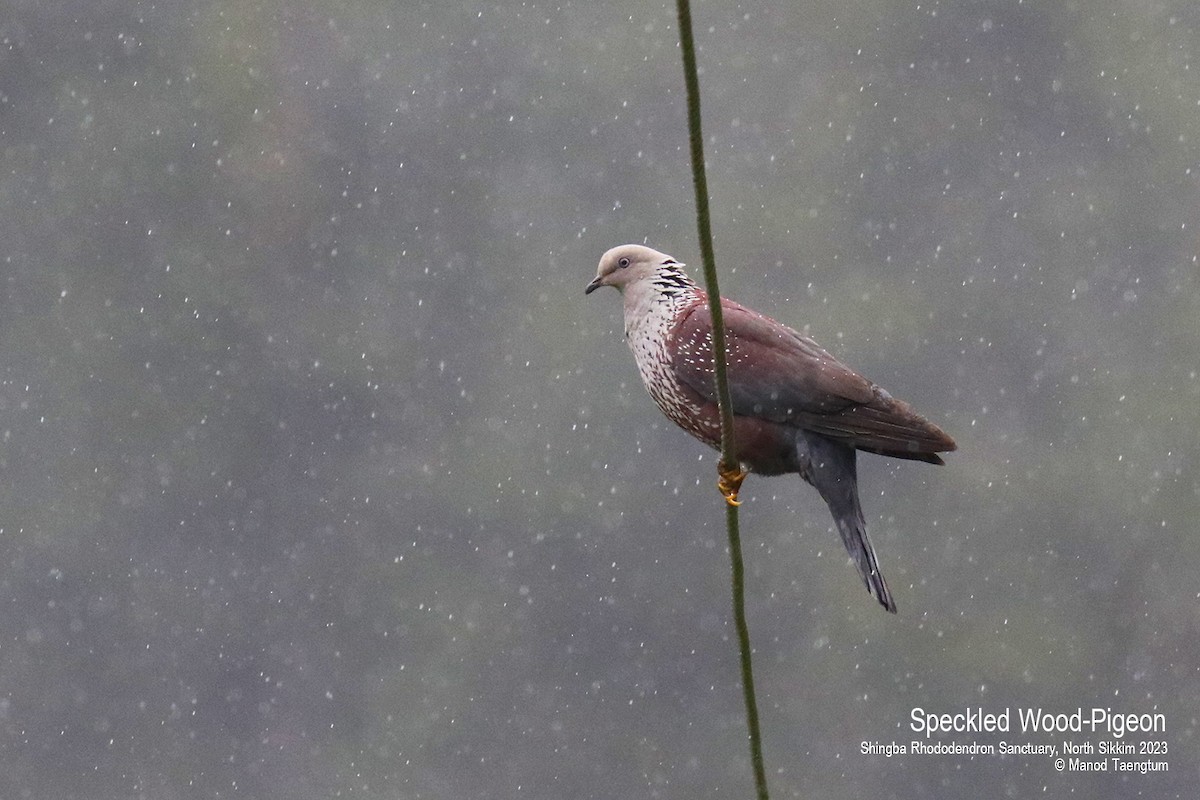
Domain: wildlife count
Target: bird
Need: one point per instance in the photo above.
(796, 408)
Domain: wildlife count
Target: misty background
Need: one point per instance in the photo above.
(322, 478)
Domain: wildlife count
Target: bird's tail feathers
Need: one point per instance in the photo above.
(832, 468)
(853, 530)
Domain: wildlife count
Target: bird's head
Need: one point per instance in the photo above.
(626, 265)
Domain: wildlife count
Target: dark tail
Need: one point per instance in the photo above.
(833, 470)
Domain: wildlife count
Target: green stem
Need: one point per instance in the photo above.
(743, 634)
(700, 182)
(728, 451)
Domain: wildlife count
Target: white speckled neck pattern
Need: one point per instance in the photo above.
(653, 308)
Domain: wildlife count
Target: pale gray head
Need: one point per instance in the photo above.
(626, 265)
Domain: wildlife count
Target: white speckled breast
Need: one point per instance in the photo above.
(652, 310)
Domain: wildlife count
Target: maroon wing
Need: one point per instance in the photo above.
(777, 374)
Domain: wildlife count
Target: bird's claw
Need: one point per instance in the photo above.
(730, 482)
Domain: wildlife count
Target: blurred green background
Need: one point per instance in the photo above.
(321, 478)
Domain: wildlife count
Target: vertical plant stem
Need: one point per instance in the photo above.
(700, 182)
(743, 634)
(728, 451)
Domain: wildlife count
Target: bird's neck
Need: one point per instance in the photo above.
(654, 302)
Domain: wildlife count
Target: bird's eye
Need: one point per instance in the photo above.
(623, 263)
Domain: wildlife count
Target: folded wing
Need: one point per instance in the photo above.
(778, 374)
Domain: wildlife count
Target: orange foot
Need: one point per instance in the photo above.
(730, 482)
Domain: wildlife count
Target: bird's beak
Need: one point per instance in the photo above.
(596, 283)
